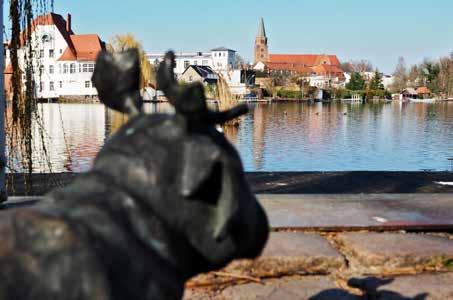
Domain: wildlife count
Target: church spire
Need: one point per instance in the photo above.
(261, 49)
(262, 30)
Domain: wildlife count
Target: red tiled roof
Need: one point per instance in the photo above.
(288, 67)
(50, 19)
(85, 47)
(327, 70)
(423, 90)
(318, 64)
(80, 47)
(304, 59)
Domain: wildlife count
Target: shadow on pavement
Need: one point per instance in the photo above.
(370, 289)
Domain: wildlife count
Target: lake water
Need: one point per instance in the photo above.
(281, 137)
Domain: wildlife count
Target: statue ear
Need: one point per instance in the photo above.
(200, 158)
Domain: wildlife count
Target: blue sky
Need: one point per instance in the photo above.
(379, 31)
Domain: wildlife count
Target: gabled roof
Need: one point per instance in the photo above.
(85, 47)
(304, 59)
(423, 90)
(50, 19)
(203, 71)
(222, 49)
(410, 91)
(299, 68)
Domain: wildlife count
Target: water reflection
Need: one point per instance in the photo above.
(279, 137)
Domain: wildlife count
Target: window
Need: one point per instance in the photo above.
(51, 86)
(51, 53)
(41, 70)
(88, 68)
(87, 84)
(195, 62)
(61, 51)
(72, 68)
(65, 68)
(80, 68)
(205, 63)
(41, 53)
(186, 64)
(61, 84)
(51, 69)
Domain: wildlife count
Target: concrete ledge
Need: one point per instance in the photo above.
(352, 212)
(345, 212)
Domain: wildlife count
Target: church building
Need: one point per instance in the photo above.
(321, 70)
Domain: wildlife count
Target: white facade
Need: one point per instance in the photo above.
(219, 59)
(54, 77)
(239, 81)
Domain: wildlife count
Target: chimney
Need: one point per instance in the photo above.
(68, 23)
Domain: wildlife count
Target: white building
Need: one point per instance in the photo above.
(64, 62)
(239, 81)
(219, 59)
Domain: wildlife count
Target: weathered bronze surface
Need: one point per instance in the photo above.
(165, 200)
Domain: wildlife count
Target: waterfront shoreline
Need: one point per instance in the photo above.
(355, 182)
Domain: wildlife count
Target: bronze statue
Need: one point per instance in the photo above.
(166, 199)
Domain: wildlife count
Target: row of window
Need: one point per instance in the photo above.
(69, 68)
(51, 53)
(60, 84)
(195, 62)
(219, 54)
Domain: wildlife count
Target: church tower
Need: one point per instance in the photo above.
(261, 49)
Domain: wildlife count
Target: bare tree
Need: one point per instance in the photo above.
(414, 78)
(240, 62)
(358, 66)
(400, 75)
(446, 75)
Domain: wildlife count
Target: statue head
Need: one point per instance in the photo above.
(179, 166)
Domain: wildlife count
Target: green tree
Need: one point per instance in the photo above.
(356, 83)
(376, 82)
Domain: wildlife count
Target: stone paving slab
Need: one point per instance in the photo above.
(295, 288)
(420, 287)
(360, 211)
(431, 286)
(427, 286)
(286, 253)
(393, 253)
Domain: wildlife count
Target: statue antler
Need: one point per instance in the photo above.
(190, 100)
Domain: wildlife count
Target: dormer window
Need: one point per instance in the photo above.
(46, 38)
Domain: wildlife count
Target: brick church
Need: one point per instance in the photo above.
(319, 67)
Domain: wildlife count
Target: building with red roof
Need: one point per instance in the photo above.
(321, 70)
(63, 62)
